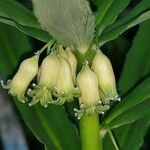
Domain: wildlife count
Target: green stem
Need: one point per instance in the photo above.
(89, 132)
(113, 140)
(48, 45)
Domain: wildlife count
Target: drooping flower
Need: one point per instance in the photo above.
(46, 81)
(88, 85)
(73, 63)
(71, 59)
(90, 98)
(64, 87)
(26, 73)
(101, 65)
(49, 71)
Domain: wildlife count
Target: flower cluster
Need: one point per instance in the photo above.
(97, 85)
(57, 81)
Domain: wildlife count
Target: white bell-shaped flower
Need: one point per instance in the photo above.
(27, 71)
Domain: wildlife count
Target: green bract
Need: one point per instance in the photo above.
(27, 71)
(71, 22)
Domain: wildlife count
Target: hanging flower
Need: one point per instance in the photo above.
(90, 99)
(46, 81)
(73, 63)
(88, 85)
(49, 71)
(27, 71)
(101, 65)
(71, 59)
(64, 88)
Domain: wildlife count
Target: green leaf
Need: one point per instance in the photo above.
(108, 12)
(107, 143)
(140, 111)
(138, 55)
(121, 133)
(135, 135)
(102, 10)
(12, 10)
(119, 136)
(10, 48)
(70, 22)
(51, 126)
(136, 68)
(137, 15)
(137, 96)
(33, 32)
(14, 14)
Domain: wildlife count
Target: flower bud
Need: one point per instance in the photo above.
(27, 71)
(88, 85)
(49, 71)
(71, 59)
(101, 65)
(65, 83)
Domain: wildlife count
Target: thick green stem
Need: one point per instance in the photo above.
(89, 132)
